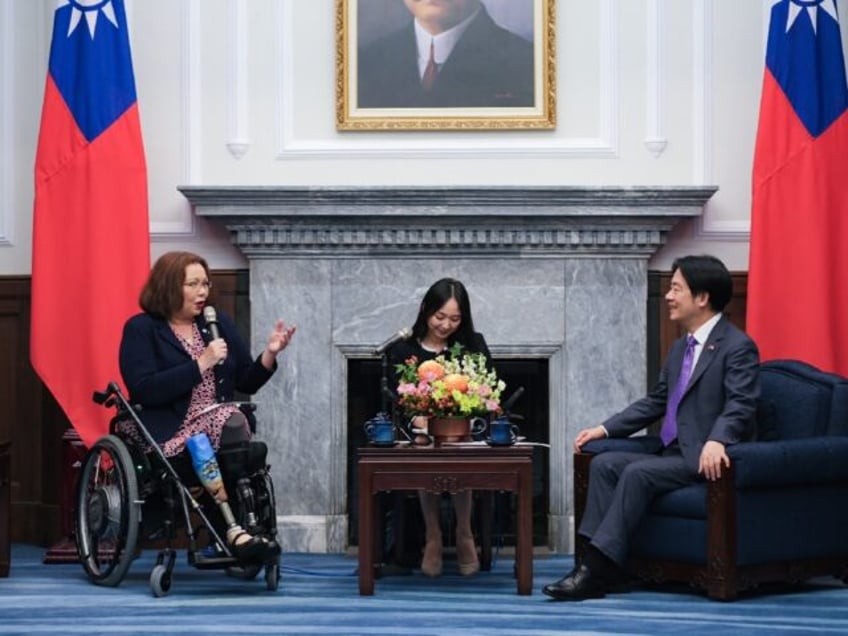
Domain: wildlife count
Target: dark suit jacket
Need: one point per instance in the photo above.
(720, 399)
(488, 67)
(160, 375)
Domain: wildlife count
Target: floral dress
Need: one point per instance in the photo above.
(205, 414)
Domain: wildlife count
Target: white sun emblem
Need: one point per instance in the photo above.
(90, 9)
(812, 7)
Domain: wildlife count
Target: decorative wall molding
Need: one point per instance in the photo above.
(383, 145)
(654, 141)
(192, 92)
(703, 34)
(239, 141)
(191, 118)
(7, 117)
(702, 82)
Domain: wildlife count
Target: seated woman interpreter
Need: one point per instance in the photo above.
(444, 319)
(184, 377)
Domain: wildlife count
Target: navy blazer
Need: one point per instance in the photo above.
(719, 401)
(160, 375)
(488, 67)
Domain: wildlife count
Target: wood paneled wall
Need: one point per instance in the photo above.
(34, 423)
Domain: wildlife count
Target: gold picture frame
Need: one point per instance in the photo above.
(379, 86)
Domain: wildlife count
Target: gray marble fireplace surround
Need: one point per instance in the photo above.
(558, 273)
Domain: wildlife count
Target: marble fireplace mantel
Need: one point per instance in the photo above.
(554, 272)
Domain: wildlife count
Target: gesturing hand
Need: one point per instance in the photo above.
(277, 341)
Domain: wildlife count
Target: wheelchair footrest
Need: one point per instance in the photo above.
(209, 562)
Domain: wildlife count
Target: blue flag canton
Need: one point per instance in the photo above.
(808, 64)
(93, 73)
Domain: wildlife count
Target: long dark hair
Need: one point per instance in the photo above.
(439, 293)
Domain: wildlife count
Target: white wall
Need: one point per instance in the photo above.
(242, 92)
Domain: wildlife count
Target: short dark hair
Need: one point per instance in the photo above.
(162, 294)
(439, 293)
(706, 275)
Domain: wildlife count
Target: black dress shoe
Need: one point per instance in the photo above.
(582, 584)
(256, 550)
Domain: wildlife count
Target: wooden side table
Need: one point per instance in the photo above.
(5, 507)
(73, 454)
(450, 469)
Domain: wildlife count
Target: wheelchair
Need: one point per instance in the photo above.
(129, 491)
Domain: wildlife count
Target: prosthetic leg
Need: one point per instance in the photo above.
(245, 546)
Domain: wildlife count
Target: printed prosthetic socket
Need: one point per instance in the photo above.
(207, 469)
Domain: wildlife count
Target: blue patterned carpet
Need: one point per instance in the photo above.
(319, 595)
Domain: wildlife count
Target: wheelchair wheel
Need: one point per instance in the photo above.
(272, 575)
(160, 581)
(108, 512)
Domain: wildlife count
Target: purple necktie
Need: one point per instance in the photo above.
(669, 427)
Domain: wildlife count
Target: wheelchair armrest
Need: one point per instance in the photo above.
(812, 460)
(249, 408)
(649, 444)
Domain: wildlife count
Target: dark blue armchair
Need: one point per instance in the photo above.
(780, 514)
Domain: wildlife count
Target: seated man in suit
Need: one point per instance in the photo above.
(707, 393)
(452, 54)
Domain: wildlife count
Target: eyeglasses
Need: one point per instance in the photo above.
(194, 284)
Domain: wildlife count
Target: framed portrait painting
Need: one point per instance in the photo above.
(445, 64)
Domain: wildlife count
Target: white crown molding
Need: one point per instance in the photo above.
(239, 138)
(7, 165)
(382, 145)
(654, 141)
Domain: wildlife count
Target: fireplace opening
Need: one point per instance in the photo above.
(532, 411)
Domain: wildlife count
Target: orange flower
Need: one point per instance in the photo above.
(456, 382)
(430, 370)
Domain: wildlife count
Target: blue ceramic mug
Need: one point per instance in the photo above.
(380, 430)
(502, 432)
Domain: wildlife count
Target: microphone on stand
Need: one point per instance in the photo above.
(512, 399)
(403, 334)
(388, 397)
(211, 318)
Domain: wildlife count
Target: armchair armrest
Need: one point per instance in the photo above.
(811, 460)
(642, 444)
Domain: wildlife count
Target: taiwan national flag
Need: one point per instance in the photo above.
(91, 243)
(798, 271)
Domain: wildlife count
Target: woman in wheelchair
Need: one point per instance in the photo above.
(182, 366)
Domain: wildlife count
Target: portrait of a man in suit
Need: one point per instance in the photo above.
(448, 54)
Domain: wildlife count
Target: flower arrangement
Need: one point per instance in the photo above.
(457, 384)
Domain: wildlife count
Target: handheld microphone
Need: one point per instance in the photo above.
(211, 317)
(403, 334)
